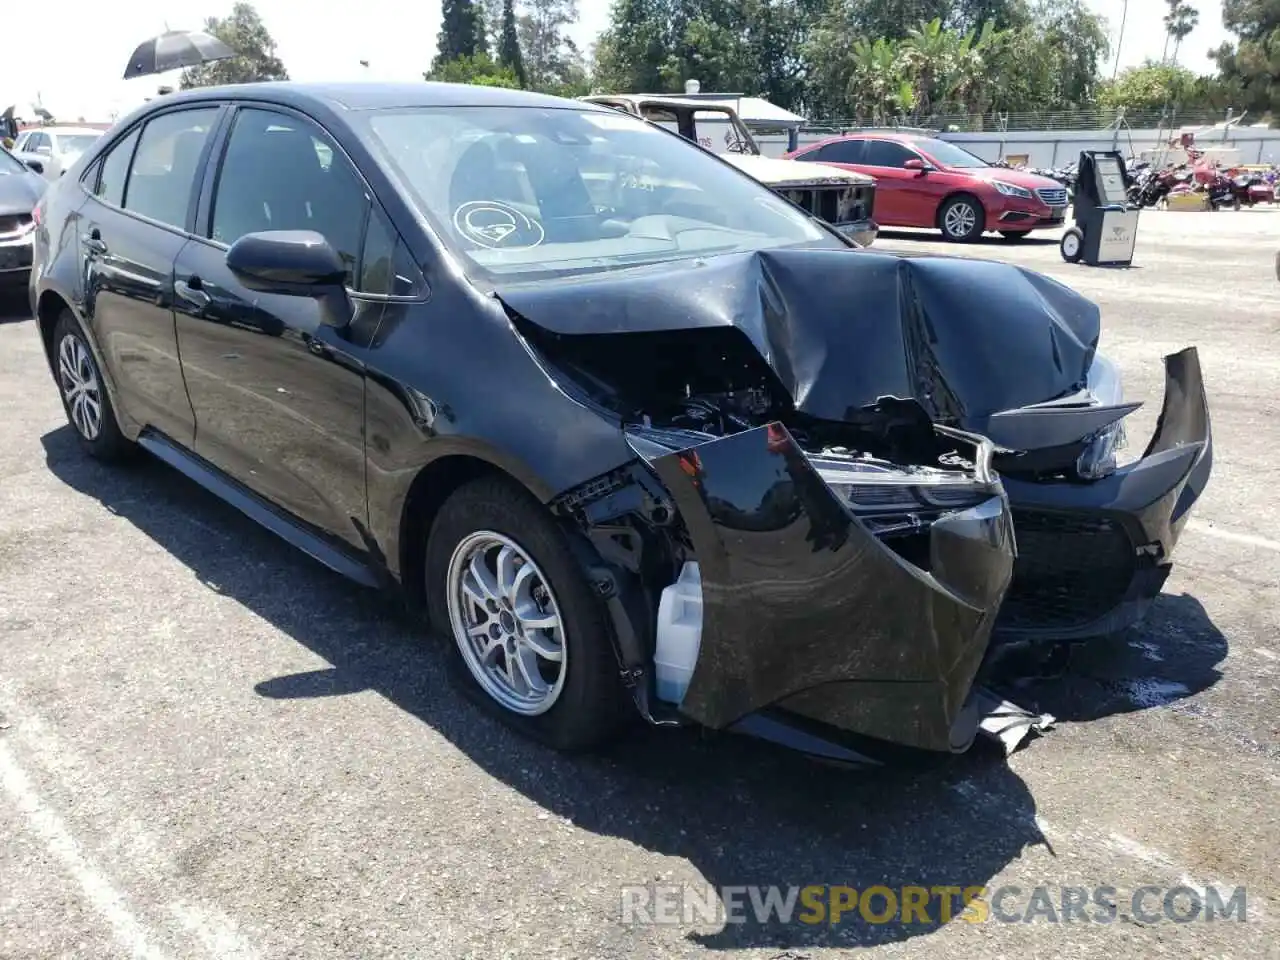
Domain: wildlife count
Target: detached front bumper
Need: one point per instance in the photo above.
(1093, 556)
(808, 614)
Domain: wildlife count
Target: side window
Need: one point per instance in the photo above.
(387, 269)
(39, 143)
(886, 153)
(115, 170)
(842, 151)
(165, 165)
(281, 172)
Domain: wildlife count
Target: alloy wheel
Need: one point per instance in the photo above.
(81, 387)
(507, 623)
(959, 219)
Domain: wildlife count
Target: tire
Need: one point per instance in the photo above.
(582, 705)
(1015, 236)
(84, 395)
(961, 219)
(1071, 246)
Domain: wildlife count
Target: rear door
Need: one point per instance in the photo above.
(132, 229)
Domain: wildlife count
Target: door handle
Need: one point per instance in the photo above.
(192, 291)
(93, 241)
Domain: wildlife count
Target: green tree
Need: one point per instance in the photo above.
(245, 33)
(634, 48)
(1149, 87)
(552, 62)
(1250, 68)
(480, 70)
(509, 54)
(1179, 22)
(461, 32)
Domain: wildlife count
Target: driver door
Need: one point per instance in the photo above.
(278, 396)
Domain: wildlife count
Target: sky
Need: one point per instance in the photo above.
(73, 59)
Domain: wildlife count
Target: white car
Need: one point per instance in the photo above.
(53, 149)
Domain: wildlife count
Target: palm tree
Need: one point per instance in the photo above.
(1181, 19)
(1188, 19)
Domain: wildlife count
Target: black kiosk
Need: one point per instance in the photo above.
(1106, 226)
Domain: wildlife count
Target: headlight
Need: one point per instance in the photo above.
(1099, 458)
(893, 499)
(1011, 189)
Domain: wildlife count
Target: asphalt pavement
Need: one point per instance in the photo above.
(212, 747)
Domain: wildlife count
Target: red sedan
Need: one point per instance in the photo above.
(925, 182)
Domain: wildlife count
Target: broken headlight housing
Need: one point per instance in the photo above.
(1099, 458)
(891, 499)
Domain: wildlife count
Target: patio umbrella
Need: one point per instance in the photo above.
(174, 49)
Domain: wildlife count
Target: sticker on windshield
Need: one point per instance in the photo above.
(497, 226)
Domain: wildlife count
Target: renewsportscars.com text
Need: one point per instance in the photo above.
(686, 904)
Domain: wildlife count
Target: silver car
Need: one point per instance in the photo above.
(53, 149)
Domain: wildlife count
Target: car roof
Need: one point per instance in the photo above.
(372, 95)
(70, 131)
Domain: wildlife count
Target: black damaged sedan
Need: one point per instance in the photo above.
(629, 429)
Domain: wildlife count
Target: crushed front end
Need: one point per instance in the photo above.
(1096, 539)
(846, 577)
(838, 587)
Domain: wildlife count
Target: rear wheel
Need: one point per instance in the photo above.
(84, 394)
(534, 640)
(961, 219)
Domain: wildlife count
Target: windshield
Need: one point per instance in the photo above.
(526, 191)
(74, 144)
(948, 154)
(10, 163)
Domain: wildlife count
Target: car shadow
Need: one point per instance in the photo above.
(987, 239)
(740, 812)
(1172, 655)
(13, 306)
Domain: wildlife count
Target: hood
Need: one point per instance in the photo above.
(843, 329)
(19, 192)
(1019, 178)
(779, 173)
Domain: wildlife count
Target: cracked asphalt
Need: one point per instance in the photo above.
(212, 747)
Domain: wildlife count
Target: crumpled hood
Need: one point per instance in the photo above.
(844, 328)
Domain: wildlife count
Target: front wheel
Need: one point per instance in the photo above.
(1071, 245)
(534, 640)
(84, 394)
(961, 219)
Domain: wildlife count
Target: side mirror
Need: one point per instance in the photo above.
(915, 163)
(35, 165)
(294, 263)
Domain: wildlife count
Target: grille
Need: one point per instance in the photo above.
(1053, 196)
(1070, 570)
(12, 223)
(834, 204)
(15, 258)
